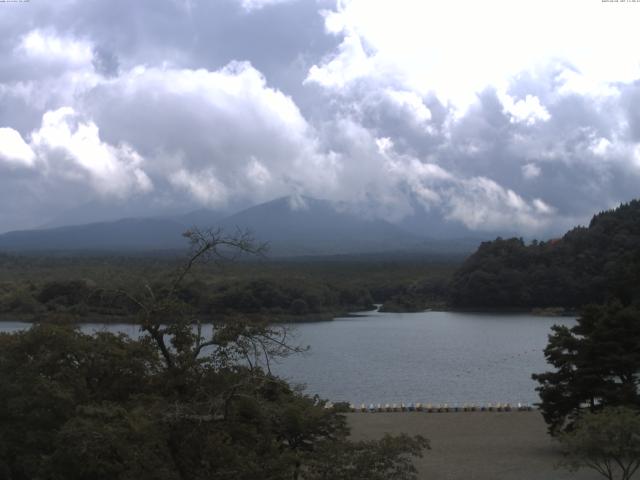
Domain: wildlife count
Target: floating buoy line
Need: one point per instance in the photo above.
(434, 408)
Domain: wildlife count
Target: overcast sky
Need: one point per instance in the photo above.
(520, 115)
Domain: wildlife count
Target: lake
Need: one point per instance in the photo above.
(429, 357)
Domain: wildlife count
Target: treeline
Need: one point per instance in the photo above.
(588, 265)
(288, 291)
(430, 292)
(65, 299)
(280, 297)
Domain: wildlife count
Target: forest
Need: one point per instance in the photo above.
(77, 288)
(592, 264)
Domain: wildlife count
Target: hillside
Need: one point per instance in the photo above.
(292, 226)
(125, 234)
(308, 226)
(588, 264)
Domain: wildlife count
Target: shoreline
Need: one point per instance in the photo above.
(285, 319)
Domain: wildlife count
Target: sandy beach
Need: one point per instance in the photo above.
(475, 445)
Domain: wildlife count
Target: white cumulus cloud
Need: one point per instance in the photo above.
(456, 49)
(67, 147)
(251, 5)
(47, 46)
(528, 111)
(14, 150)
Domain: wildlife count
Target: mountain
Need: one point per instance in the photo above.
(102, 212)
(124, 234)
(300, 225)
(155, 233)
(588, 264)
(292, 226)
(203, 218)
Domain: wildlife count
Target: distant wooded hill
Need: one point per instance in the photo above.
(587, 265)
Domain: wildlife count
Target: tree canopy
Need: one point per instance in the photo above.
(607, 441)
(587, 265)
(597, 364)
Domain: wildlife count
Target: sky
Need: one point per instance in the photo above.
(491, 115)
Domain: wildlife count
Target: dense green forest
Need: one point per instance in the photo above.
(587, 265)
(81, 288)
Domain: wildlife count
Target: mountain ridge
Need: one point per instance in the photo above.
(292, 226)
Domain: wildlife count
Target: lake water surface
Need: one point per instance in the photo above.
(429, 357)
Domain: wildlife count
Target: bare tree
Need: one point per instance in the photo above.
(178, 333)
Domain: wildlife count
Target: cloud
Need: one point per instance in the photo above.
(251, 5)
(482, 204)
(14, 150)
(478, 202)
(387, 183)
(223, 131)
(258, 173)
(456, 50)
(531, 171)
(69, 148)
(49, 47)
(64, 140)
(297, 202)
(464, 111)
(203, 186)
(528, 111)
(350, 63)
(412, 104)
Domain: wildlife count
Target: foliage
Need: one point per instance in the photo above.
(387, 459)
(593, 264)
(596, 363)
(174, 404)
(50, 371)
(607, 441)
(34, 287)
(418, 296)
(70, 292)
(286, 296)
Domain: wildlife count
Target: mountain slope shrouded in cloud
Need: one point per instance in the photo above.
(303, 225)
(294, 225)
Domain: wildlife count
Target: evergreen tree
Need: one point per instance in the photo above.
(597, 364)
